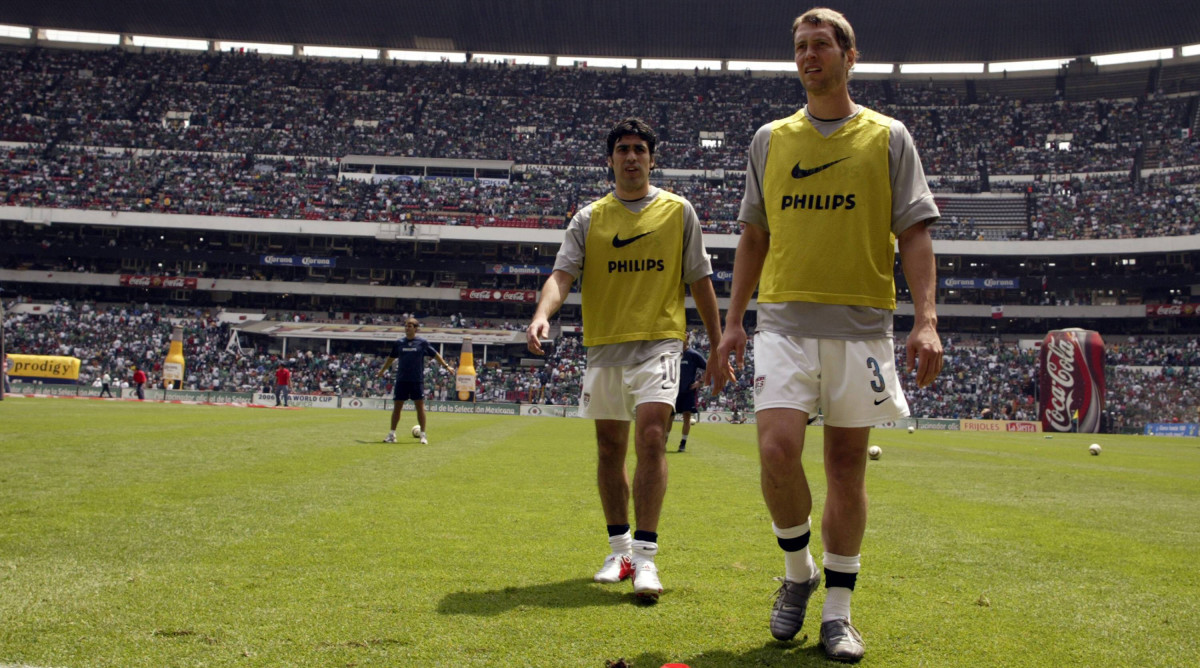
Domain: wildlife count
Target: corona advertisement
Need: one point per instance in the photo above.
(464, 381)
(172, 369)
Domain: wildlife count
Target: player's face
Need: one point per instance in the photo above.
(410, 329)
(824, 67)
(631, 162)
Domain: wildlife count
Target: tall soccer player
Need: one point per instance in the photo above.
(829, 191)
(642, 247)
(410, 375)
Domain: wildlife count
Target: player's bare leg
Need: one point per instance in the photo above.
(781, 433)
(420, 404)
(612, 479)
(842, 528)
(397, 408)
(649, 489)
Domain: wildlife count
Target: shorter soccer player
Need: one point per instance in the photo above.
(410, 375)
(691, 364)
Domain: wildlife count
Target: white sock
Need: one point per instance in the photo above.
(644, 550)
(622, 544)
(799, 565)
(837, 599)
(392, 432)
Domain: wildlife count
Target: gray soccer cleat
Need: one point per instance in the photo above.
(841, 641)
(791, 604)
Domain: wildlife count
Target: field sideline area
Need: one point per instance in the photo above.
(148, 534)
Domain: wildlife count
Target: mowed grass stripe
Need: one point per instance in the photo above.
(296, 538)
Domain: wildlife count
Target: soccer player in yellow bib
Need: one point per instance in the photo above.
(829, 191)
(642, 246)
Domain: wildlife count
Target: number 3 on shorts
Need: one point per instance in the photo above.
(878, 384)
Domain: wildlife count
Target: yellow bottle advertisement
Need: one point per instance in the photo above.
(172, 369)
(464, 381)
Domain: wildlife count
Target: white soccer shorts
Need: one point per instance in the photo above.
(615, 392)
(853, 383)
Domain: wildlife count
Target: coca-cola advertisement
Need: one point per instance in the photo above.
(1172, 310)
(164, 282)
(497, 295)
(1071, 381)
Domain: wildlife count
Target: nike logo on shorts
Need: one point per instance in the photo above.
(618, 242)
(799, 172)
(880, 401)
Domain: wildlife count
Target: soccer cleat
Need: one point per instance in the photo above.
(390, 438)
(791, 604)
(424, 441)
(645, 580)
(841, 641)
(616, 567)
(682, 448)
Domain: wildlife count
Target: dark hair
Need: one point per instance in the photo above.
(632, 126)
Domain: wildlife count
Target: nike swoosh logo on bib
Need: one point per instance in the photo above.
(619, 242)
(798, 172)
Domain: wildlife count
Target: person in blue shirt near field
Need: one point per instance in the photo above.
(690, 364)
(410, 384)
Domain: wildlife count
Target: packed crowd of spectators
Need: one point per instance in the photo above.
(245, 135)
(1149, 379)
(1166, 204)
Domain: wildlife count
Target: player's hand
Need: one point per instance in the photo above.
(719, 371)
(924, 351)
(733, 340)
(538, 329)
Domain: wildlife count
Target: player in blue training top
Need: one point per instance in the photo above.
(410, 384)
(691, 373)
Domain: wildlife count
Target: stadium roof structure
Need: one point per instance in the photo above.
(910, 32)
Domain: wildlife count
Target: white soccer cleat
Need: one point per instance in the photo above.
(424, 441)
(616, 567)
(390, 438)
(645, 580)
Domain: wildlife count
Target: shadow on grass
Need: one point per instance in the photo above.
(799, 652)
(574, 593)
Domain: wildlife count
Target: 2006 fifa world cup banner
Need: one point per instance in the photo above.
(46, 368)
(1071, 381)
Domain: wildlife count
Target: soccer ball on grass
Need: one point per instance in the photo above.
(416, 431)
(874, 452)
(1094, 449)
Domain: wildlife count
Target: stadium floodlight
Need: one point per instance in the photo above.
(873, 68)
(169, 43)
(761, 65)
(672, 64)
(1028, 65)
(252, 47)
(1132, 57)
(52, 35)
(16, 32)
(1190, 50)
(591, 61)
(340, 52)
(941, 68)
(427, 56)
(510, 58)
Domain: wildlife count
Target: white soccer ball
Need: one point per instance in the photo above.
(416, 432)
(874, 452)
(1094, 448)
(911, 429)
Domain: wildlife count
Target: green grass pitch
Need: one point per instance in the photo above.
(142, 534)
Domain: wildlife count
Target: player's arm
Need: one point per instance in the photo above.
(716, 373)
(748, 263)
(386, 365)
(924, 346)
(554, 293)
(442, 361)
